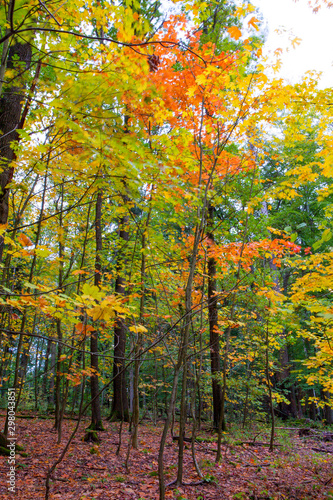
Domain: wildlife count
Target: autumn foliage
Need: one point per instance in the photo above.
(165, 223)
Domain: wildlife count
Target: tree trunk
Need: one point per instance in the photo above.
(120, 409)
(10, 113)
(57, 420)
(182, 359)
(269, 385)
(138, 348)
(58, 412)
(327, 410)
(46, 364)
(50, 397)
(213, 325)
(96, 417)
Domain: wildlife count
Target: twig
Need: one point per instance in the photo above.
(50, 13)
(251, 443)
(255, 465)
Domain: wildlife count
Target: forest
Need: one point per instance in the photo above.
(166, 256)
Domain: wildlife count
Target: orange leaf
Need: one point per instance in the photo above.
(253, 22)
(24, 253)
(80, 328)
(24, 240)
(234, 32)
(42, 302)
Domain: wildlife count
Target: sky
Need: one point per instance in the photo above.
(315, 51)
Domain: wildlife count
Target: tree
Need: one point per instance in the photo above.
(147, 229)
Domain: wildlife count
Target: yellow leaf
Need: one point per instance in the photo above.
(92, 291)
(191, 91)
(296, 41)
(95, 312)
(201, 79)
(138, 329)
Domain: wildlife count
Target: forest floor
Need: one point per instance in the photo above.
(294, 470)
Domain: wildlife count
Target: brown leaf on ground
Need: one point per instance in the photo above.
(292, 471)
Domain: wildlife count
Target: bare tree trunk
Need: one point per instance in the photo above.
(165, 431)
(194, 426)
(138, 348)
(50, 397)
(58, 413)
(11, 102)
(38, 364)
(46, 364)
(57, 420)
(213, 325)
(181, 362)
(120, 409)
(269, 385)
(96, 416)
(328, 410)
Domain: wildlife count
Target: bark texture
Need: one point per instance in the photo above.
(96, 417)
(11, 102)
(213, 326)
(120, 410)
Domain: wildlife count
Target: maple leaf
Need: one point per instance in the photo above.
(234, 32)
(24, 240)
(79, 271)
(138, 329)
(296, 41)
(254, 23)
(201, 79)
(91, 291)
(82, 329)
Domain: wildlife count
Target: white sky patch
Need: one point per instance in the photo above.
(315, 51)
